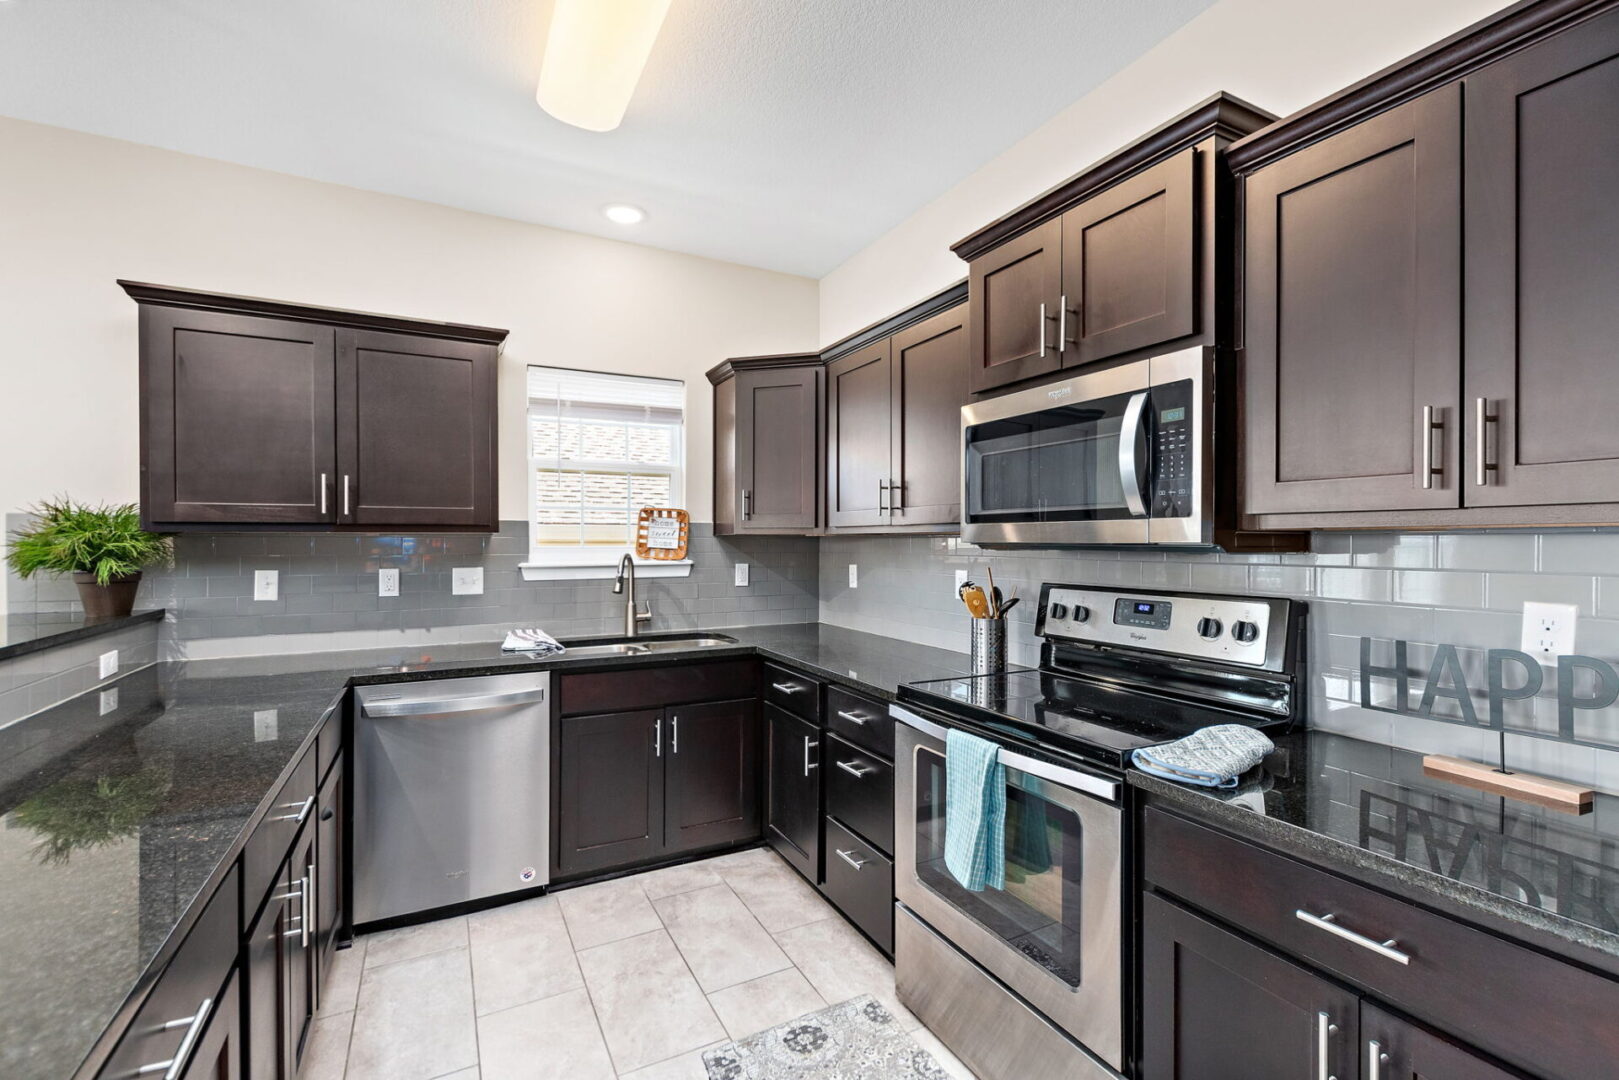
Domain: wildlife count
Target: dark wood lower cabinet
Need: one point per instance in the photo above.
(282, 970)
(219, 1053)
(1407, 1051)
(330, 858)
(793, 798)
(711, 775)
(609, 800)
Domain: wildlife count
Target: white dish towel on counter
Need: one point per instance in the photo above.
(531, 640)
(1211, 757)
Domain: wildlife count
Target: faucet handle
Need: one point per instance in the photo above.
(646, 615)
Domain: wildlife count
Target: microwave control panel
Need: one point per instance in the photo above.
(1174, 449)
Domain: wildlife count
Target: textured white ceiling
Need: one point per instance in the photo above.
(778, 133)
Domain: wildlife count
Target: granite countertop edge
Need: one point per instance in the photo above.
(79, 631)
(1318, 847)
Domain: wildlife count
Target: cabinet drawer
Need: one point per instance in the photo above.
(860, 720)
(798, 694)
(1555, 1023)
(293, 805)
(860, 881)
(187, 996)
(860, 792)
(655, 687)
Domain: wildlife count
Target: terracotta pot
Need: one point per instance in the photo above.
(113, 600)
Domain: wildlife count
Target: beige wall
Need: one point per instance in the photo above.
(78, 211)
(1278, 54)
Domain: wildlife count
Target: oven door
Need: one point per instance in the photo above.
(1053, 934)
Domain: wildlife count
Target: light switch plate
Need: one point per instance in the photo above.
(854, 575)
(266, 725)
(741, 574)
(1548, 630)
(109, 701)
(466, 580)
(387, 582)
(961, 579)
(266, 584)
(109, 664)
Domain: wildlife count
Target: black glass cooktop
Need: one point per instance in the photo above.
(1098, 721)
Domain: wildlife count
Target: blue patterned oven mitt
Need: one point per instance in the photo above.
(1213, 757)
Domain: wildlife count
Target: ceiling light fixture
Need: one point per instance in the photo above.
(624, 213)
(594, 57)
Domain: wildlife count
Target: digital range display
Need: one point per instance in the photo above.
(1144, 608)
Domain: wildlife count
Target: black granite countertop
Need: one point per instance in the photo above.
(1368, 811)
(30, 632)
(112, 825)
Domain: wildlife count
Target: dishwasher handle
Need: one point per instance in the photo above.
(435, 706)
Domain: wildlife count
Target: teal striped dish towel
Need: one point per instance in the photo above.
(975, 811)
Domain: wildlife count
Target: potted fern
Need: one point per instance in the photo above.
(103, 547)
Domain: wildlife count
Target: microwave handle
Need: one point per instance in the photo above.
(1132, 448)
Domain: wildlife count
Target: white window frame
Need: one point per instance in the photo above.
(597, 561)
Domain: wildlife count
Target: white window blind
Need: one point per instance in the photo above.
(600, 448)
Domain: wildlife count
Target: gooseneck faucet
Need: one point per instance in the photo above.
(632, 618)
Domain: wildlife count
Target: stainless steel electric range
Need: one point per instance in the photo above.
(1032, 979)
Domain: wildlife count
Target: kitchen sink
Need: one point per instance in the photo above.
(649, 645)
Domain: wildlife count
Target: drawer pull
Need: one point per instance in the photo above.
(1375, 1060)
(855, 769)
(848, 857)
(303, 811)
(853, 717)
(1325, 1029)
(787, 687)
(1329, 923)
(193, 1025)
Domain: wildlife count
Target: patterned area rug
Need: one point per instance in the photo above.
(857, 1040)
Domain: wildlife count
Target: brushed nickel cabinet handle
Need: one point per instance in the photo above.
(303, 811)
(1329, 923)
(896, 497)
(853, 717)
(855, 769)
(1483, 466)
(1430, 425)
(1062, 323)
(674, 734)
(747, 497)
(1042, 329)
(787, 688)
(1375, 1060)
(1325, 1029)
(882, 491)
(346, 486)
(848, 857)
(193, 1025)
(807, 764)
(657, 738)
(323, 486)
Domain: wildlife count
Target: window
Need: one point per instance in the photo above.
(600, 448)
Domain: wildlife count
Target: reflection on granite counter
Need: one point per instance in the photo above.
(1360, 806)
(29, 632)
(112, 826)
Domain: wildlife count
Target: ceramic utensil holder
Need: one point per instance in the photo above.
(988, 645)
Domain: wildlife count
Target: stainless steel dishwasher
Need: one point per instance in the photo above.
(452, 786)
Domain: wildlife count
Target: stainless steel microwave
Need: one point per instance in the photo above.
(1116, 457)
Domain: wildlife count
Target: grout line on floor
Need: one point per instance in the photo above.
(584, 983)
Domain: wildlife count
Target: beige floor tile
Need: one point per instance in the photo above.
(684, 1067)
(327, 1051)
(750, 1007)
(415, 1019)
(521, 953)
(720, 939)
(649, 1005)
(391, 946)
(341, 989)
(841, 964)
(459, 1074)
(609, 911)
(949, 1062)
(678, 879)
(773, 891)
(553, 1039)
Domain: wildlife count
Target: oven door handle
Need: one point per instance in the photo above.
(1132, 449)
(1107, 790)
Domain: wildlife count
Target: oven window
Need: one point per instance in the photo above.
(1038, 912)
(1059, 464)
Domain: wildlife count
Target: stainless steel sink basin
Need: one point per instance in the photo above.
(649, 645)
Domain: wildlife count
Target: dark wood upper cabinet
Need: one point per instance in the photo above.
(859, 410)
(417, 444)
(929, 387)
(1353, 293)
(1015, 293)
(712, 775)
(1542, 181)
(610, 791)
(767, 443)
(263, 414)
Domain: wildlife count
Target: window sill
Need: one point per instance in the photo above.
(596, 570)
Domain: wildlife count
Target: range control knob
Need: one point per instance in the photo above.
(1245, 632)
(1058, 611)
(1209, 628)
(1081, 612)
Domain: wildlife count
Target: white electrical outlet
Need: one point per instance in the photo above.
(741, 574)
(109, 701)
(266, 584)
(266, 725)
(961, 579)
(466, 580)
(109, 664)
(854, 575)
(1548, 630)
(387, 582)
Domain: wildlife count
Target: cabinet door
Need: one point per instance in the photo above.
(858, 410)
(1015, 293)
(270, 942)
(609, 790)
(1542, 226)
(1129, 264)
(777, 423)
(327, 888)
(219, 1053)
(302, 879)
(416, 430)
(929, 388)
(1216, 1007)
(1396, 1049)
(1353, 317)
(793, 801)
(237, 420)
(712, 775)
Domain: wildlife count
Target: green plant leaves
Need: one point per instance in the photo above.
(104, 540)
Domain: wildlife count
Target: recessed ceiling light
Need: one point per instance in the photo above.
(593, 58)
(624, 213)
